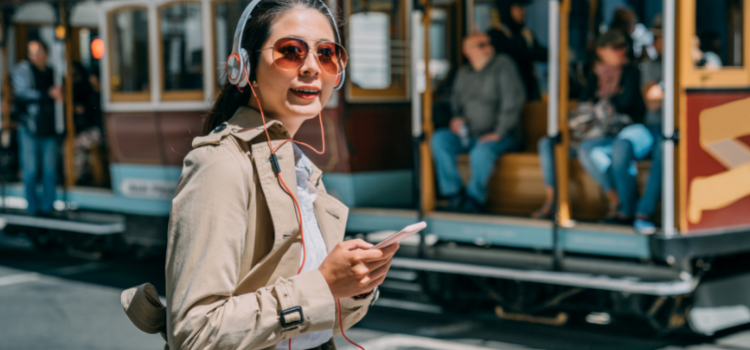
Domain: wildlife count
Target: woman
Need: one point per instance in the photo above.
(239, 273)
(613, 79)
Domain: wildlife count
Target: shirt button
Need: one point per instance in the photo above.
(220, 128)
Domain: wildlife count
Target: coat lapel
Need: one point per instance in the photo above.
(329, 211)
(331, 215)
(280, 204)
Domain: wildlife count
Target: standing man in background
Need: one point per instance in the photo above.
(39, 143)
(511, 37)
(486, 104)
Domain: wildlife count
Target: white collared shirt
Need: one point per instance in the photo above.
(315, 245)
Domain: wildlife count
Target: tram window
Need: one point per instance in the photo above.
(226, 15)
(392, 71)
(718, 34)
(181, 51)
(129, 63)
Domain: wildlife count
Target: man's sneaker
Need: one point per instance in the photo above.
(644, 227)
(471, 206)
(618, 220)
(455, 203)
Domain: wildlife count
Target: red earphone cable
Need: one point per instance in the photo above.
(299, 213)
(341, 325)
(296, 204)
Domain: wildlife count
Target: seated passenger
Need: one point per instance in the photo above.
(513, 38)
(486, 102)
(614, 84)
(625, 151)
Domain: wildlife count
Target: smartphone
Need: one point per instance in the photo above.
(401, 235)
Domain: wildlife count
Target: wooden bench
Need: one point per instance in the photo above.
(517, 186)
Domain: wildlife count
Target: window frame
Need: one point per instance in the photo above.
(694, 77)
(178, 95)
(118, 96)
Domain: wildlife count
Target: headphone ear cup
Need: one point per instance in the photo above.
(340, 80)
(245, 67)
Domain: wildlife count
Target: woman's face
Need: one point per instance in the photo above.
(611, 56)
(278, 89)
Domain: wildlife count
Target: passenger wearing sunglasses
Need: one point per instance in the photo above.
(255, 258)
(486, 104)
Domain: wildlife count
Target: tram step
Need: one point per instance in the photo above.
(399, 286)
(408, 305)
(74, 221)
(624, 284)
(403, 275)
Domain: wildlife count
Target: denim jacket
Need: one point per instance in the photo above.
(27, 97)
(26, 94)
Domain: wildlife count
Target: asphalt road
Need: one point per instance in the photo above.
(55, 301)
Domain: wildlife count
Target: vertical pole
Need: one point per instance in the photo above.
(70, 176)
(554, 66)
(561, 150)
(668, 123)
(6, 106)
(552, 117)
(6, 87)
(415, 20)
(426, 174)
(416, 102)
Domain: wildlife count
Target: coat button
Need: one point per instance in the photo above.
(220, 128)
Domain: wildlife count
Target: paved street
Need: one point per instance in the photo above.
(54, 301)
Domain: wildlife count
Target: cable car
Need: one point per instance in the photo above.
(162, 66)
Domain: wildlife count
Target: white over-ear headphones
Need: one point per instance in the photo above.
(238, 63)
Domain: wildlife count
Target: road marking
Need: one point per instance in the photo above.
(50, 274)
(403, 342)
(78, 269)
(20, 278)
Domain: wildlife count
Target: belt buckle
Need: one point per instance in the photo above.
(289, 311)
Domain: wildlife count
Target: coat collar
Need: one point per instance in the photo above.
(247, 125)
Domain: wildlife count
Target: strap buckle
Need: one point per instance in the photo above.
(290, 311)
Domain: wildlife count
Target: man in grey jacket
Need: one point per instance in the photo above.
(39, 142)
(487, 100)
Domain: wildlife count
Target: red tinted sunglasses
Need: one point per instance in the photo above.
(289, 53)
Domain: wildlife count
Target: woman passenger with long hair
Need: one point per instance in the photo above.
(255, 258)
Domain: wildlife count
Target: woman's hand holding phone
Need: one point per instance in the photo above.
(352, 268)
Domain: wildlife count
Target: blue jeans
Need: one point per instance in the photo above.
(446, 146)
(583, 153)
(38, 153)
(623, 157)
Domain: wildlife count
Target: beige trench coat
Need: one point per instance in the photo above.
(234, 248)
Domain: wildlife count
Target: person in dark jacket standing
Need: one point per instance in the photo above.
(39, 141)
(511, 37)
(486, 105)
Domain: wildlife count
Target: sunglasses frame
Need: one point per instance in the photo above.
(311, 48)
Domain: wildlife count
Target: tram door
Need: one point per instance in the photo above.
(89, 159)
